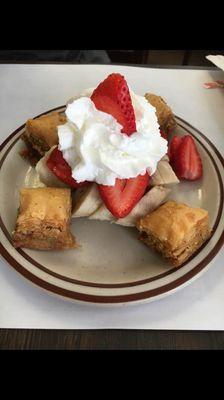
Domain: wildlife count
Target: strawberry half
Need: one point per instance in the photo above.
(173, 147)
(112, 96)
(186, 160)
(121, 198)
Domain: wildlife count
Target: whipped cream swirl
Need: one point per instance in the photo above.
(95, 148)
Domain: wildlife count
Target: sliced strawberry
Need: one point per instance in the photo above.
(173, 147)
(112, 96)
(186, 162)
(57, 164)
(121, 198)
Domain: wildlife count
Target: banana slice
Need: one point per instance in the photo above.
(164, 174)
(152, 199)
(86, 201)
(103, 214)
(46, 176)
(165, 158)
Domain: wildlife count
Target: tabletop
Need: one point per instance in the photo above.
(37, 339)
(105, 338)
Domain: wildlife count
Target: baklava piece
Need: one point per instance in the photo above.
(43, 220)
(175, 230)
(41, 133)
(164, 113)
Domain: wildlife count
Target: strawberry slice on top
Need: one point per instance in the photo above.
(112, 96)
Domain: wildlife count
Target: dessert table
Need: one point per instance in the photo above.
(191, 318)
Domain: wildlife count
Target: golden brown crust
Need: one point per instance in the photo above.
(164, 113)
(179, 256)
(175, 230)
(29, 242)
(44, 218)
(41, 132)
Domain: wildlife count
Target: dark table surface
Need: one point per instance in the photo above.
(21, 339)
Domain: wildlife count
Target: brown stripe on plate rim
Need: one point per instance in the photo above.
(117, 298)
(99, 285)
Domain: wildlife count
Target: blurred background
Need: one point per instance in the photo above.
(147, 57)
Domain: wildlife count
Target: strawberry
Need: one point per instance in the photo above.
(112, 96)
(186, 161)
(57, 164)
(173, 147)
(121, 198)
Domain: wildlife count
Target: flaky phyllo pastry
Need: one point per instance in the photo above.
(166, 118)
(41, 133)
(175, 230)
(43, 220)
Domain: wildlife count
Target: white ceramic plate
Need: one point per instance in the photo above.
(112, 266)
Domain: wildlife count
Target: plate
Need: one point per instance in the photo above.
(112, 266)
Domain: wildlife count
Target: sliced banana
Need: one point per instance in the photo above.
(164, 174)
(102, 214)
(165, 158)
(152, 199)
(45, 175)
(86, 201)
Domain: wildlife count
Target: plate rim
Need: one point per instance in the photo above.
(149, 295)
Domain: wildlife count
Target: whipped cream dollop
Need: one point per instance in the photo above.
(95, 148)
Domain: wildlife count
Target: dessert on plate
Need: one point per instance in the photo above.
(41, 133)
(43, 219)
(112, 154)
(175, 230)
